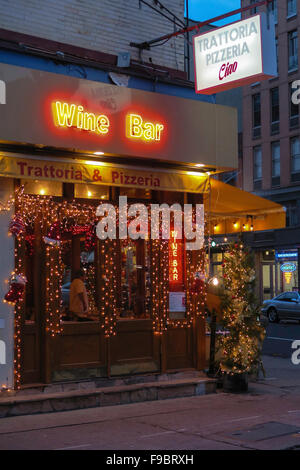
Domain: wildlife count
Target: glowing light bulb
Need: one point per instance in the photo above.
(42, 192)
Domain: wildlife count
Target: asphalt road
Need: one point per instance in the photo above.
(280, 337)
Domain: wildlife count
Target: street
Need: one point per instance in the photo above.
(280, 337)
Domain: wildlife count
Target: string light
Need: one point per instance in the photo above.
(241, 345)
(65, 219)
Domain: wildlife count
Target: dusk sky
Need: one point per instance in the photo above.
(205, 9)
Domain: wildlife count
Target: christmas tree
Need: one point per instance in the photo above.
(242, 341)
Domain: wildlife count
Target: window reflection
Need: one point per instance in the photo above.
(135, 279)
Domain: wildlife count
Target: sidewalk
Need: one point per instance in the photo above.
(104, 392)
(267, 417)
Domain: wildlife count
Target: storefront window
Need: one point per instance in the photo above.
(279, 272)
(42, 188)
(79, 282)
(136, 193)
(135, 279)
(91, 191)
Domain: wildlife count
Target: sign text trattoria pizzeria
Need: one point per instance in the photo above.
(83, 171)
(235, 55)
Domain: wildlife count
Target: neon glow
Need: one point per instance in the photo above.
(72, 115)
(137, 128)
(175, 260)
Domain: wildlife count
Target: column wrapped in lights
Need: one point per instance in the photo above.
(53, 282)
(19, 309)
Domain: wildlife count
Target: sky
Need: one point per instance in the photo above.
(201, 10)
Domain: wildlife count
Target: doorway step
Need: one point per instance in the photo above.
(104, 392)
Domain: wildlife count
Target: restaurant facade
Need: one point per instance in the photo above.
(69, 145)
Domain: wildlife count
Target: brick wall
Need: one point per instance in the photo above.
(103, 25)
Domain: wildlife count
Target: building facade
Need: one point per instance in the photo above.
(271, 151)
(87, 116)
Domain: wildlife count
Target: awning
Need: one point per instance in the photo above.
(232, 210)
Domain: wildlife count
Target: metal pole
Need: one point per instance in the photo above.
(212, 353)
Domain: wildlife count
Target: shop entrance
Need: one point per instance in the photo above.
(268, 280)
(135, 323)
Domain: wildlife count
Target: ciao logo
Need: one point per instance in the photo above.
(227, 69)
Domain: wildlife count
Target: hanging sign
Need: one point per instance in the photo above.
(235, 55)
(175, 262)
(288, 269)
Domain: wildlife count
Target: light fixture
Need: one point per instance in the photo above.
(200, 165)
(98, 153)
(42, 192)
(195, 173)
(95, 163)
(236, 225)
(225, 239)
(89, 194)
(251, 228)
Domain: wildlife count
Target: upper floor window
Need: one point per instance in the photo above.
(256, 114)
(295, 159)
(291, 8)
(276, 45)
(272, 8)
(257, 167)
(274, 110)
(293, 49)
(291, 213)
(275, 147)
(253, 11)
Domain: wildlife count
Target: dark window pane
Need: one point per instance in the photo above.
(256, 110)
(275, 104)
(293, 49)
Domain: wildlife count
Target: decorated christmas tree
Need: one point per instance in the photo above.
(242, 341)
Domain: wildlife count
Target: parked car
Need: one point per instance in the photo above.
(284, 306)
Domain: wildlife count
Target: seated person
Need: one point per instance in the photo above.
(79, 305)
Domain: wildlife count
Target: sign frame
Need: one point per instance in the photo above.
(266, 69)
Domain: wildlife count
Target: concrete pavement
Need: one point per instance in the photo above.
(267, 417)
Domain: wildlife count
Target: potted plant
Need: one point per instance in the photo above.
(243, 333)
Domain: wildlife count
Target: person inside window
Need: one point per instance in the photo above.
(79, 305)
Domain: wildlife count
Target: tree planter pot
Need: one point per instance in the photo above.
(235, 383)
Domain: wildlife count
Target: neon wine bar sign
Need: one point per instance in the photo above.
(137, 128)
